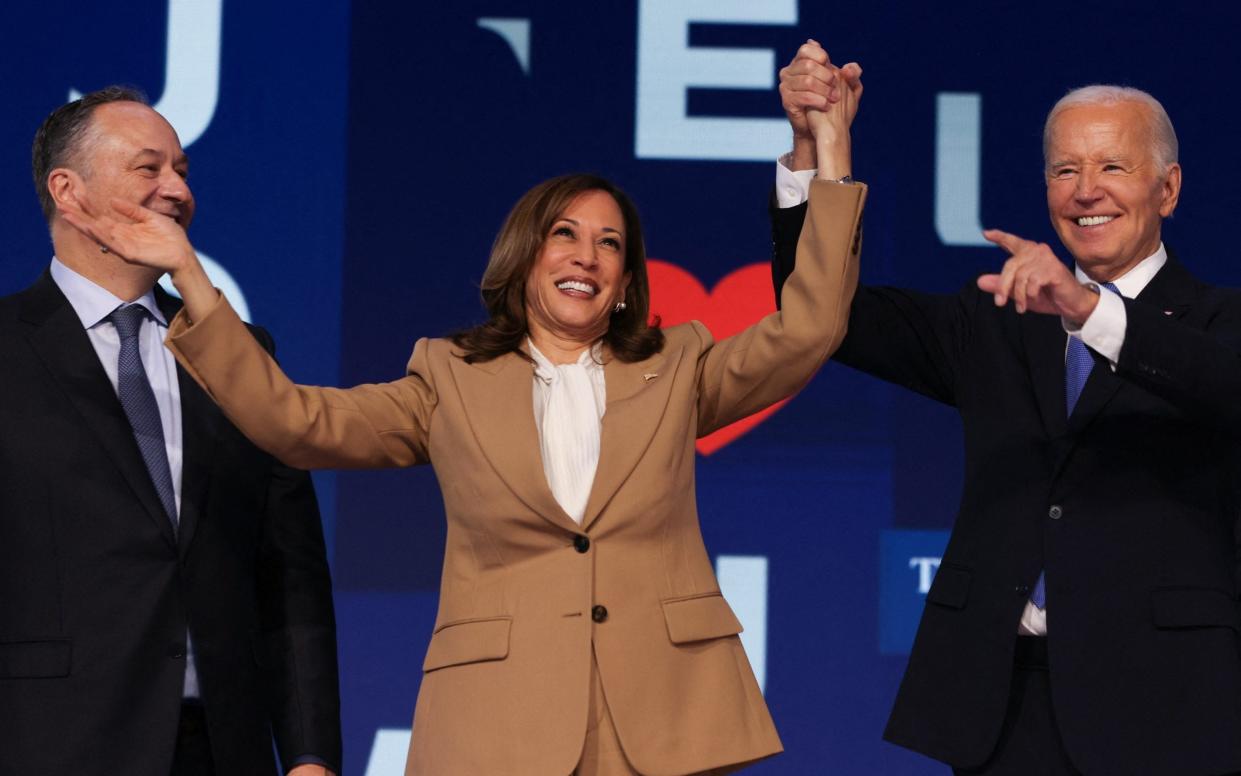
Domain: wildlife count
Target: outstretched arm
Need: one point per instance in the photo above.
(370, 426)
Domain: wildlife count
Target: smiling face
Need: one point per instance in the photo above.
(1107, 194)
(579, 273)
(131, 153)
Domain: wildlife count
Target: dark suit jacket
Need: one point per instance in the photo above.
(1131, 505)
(96, 593)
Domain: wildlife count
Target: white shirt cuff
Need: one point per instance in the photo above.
(792, 188)
(1104, 331)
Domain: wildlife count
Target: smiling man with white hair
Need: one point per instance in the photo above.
(1084, 618)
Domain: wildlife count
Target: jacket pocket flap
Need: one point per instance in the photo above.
(1193, 608)
(699, 617)
(34, 659)
(468, 641)
(951, 587)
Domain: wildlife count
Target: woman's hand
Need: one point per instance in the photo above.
(830, 126)
(141, 236)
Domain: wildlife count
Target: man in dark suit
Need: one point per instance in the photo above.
(166, 600)
(1084, 618)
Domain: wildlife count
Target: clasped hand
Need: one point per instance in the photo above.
(819, 97)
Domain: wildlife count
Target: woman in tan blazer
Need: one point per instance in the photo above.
(581, 629)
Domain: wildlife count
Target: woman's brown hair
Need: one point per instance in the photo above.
(630, 334)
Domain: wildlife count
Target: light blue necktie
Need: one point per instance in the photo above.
(1077, 365)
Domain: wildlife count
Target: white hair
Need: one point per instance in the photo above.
(1163, 137)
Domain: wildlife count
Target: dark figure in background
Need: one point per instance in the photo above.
(1084, 619)
(166, 599)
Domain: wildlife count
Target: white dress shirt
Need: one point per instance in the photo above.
(93, 304)
(1103, 332)
(569, 401)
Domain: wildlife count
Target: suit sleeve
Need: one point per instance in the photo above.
(297, 620)
(364, 427)
(913, 339)
(1197, 370)
(775, 357)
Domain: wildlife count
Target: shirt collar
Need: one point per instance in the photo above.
(92, 302)
(545, 370)
(1132, 282)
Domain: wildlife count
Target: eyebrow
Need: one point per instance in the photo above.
(182, 159)
(575, 223)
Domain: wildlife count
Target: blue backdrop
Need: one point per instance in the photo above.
(352, 163)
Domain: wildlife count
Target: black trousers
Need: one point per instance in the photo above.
(1030, 743)
(193, 753)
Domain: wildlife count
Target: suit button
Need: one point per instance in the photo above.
(581, 543)
(598, 613)
(1055, 512)
(176, 652)
(1022, 590)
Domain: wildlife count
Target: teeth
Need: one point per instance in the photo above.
(576, 285)
(1093, 220)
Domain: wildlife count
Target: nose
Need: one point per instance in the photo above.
(587, 255)
(1087, 188)
(174, 188)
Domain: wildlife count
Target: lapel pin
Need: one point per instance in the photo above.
(649, 376)
(1167, 312)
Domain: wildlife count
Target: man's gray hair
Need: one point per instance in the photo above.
(1163, 137)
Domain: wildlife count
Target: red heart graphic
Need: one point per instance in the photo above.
(740, 299)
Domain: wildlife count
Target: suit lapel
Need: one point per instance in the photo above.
(57, 337)
(1045, 341)
(498, 396)
(200, 421)
(1170, 290)
(637, 396)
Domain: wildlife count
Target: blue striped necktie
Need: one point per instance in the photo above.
(138, 400)
(1077, 365)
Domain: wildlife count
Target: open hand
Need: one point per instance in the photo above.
(134, 234)
(1035, 280)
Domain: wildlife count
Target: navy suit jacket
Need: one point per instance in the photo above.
(96, 592)
(1131, 505)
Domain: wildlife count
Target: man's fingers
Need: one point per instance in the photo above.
(989, 283)
(1009, 242)
(805, 100)
(818, 83)
(808, 76)
(1027, 285)
(813, 51)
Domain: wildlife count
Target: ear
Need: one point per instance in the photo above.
(625, 284)
(1170, 192)
(66, 187)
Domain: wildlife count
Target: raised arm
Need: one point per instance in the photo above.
(778, 355)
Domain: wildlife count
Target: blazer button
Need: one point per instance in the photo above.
(176, 652)
(581, 543)
(1055, 512)
(1022, 590)
(598, 613)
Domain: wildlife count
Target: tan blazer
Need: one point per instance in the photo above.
(506, 675)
